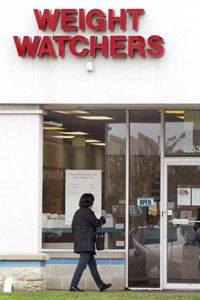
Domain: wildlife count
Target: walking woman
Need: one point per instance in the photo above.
(84, 226)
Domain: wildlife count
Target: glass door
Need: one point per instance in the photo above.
(181, 224)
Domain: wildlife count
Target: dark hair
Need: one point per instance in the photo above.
(86, 200)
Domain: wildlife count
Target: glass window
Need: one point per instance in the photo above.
(84, 140)
(182, 133)
(183, 190)
(144, 213)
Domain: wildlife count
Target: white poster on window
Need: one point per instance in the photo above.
(195, 196)
(184, 196)
(78, 182)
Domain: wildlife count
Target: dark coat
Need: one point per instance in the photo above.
(84, 229)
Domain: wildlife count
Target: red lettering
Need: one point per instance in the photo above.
(46, 47)
(81, 19)
(69, 16)
(100, 20)
(116, 44)
(61, 43)
(47, 19)
(155, 42)
(94, 46)
(27, 45)
(135, 13)
(73, 46)
(112, 19)
(136, 43)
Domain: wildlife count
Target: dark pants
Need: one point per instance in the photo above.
(86, 258)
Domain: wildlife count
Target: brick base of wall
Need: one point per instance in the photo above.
(27, 271)
(35, 273)
(59, 271)
(59, 277)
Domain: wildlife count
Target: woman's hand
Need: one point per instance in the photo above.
(102, 220)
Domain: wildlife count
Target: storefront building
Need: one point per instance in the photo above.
(102, 98)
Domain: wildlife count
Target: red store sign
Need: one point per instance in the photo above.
(72, 21)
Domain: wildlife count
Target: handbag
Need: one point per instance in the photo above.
(99, 241)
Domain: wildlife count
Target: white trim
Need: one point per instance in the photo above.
(127, 200)
(120, 106)
(162, 154)
(181, 161)
(144, 289)
(164, 237)
(182, 286)
(72, 250)
(40, 182)
(21, 112)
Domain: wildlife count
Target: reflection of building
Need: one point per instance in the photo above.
(143, 145)
(144, 163)
(115, 169)
(147, 146)
(116, 145)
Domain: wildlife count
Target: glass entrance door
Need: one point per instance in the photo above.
(182, 224)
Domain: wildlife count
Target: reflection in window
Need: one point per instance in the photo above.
(144, 221)
(183, 239)
(182, 133)
(115, 182)
(71, 142)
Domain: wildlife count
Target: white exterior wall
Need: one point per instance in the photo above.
(172, 79)
(20, 181)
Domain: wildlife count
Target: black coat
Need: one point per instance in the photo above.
(84, 229)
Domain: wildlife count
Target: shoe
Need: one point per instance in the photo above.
(105, 287)
(75, 289)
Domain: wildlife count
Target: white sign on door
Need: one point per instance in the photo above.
(195, 196)
(184, 196)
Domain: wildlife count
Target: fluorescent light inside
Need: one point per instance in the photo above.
(75, 132)
(72, 112)
(97, 118)
(52, 123)
(181, 117)
(99, 144)
(63, 136)
(52, 128)
(92, 141)
(175, 112)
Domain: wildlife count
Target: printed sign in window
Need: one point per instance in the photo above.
(78, 182)
(184, 196)
(196, 196)
(145, 201)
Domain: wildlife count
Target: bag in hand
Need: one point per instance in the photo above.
(99, 241)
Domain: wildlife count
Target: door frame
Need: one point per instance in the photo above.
(173, 161)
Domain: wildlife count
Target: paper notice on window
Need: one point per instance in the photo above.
(195, 196)
(78, 182)
(119, 225)
(184, 196)
(120, 243)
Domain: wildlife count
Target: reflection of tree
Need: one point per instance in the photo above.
(53, 190)
(117, 176)
(145, 170)
(173, 142)
(115, 169)
(144, 166)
